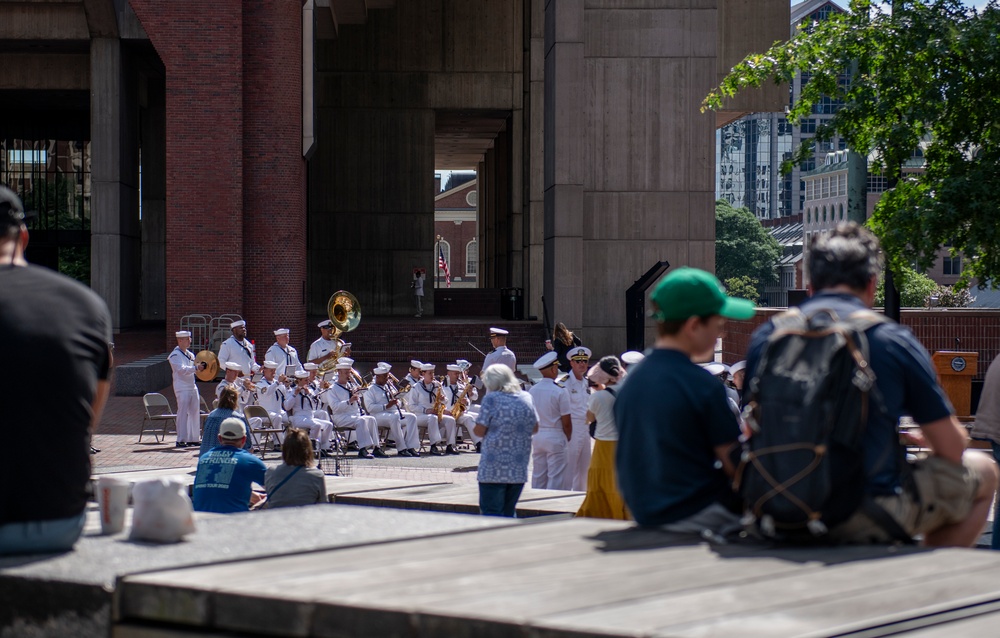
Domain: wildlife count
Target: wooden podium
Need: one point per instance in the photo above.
(955, 371)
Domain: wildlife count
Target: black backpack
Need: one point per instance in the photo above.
(802, 470)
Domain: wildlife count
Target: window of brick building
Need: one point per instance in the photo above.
(471, 258)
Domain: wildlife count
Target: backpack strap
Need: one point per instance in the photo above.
(883, 519)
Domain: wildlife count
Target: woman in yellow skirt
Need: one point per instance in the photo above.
(603, 498)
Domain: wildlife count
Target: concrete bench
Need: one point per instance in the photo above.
(462, 499)
(139, 377)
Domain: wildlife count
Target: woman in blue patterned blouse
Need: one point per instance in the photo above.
(507, 419)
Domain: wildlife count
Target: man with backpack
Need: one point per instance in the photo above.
(676, 432)
(828, 382)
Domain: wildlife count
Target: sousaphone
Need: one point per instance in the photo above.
(211, 365)
(344, 312)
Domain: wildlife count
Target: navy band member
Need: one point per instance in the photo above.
(183, 368)
(239, 349)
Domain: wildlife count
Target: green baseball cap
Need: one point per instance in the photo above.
(689, 292)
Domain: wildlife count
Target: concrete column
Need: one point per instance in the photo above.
(153, 124)
(564, 152)
(534, 147)
(115, 235)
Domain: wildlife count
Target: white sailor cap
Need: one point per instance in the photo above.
(579, 354)
(383, 364)
(310, 366)
(237, 324)
(232, 365)
(381, 369)
(415, 364)
(301, 374)
(326, 323)
(346, 360)
(463, 362)
(182, 333)
(281, 331)
(273, 365)
(715, 369)
(343, 365)
(632, 357)
(346, 346)
(736, 367)
(498, 331)
(454, 367)
(426, 367)
(546, 360)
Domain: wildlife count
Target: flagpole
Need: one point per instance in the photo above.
(437, 259)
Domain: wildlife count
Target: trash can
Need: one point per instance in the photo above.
(512, 304)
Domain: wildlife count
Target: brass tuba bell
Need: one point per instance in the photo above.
(344, 312)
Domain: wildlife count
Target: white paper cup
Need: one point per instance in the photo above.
(112, 501)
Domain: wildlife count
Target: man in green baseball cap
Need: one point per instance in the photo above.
(676, 433)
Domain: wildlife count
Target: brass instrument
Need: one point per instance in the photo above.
(439, 406)
(344, 312)
(211, 362)
(459, 408)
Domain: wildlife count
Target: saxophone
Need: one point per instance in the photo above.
(459, 408)
(439, 406)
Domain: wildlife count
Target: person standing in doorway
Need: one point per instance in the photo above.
(419, 276)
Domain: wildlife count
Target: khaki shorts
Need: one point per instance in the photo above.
(946, 492)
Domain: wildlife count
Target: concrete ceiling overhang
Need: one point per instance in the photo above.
(344, 12)
(461, 138)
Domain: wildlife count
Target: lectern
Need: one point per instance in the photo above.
(955, 370)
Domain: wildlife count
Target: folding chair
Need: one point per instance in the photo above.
(157, 410)
(251, 411)
(202, 410)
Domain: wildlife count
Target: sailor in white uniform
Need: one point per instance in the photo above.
(555, 427)
(303, 406)
(578, 389)
(347, 411)
(183, 368)
(421, 401)
(239, 349)
(271, 396)
(324, 347)
(402, 425)
(501, 353)
(283, 354)
(241, 384)
(454, 389)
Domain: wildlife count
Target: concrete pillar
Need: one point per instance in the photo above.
(534, 148)
(564, 151)
(115, 235)
(153, 125)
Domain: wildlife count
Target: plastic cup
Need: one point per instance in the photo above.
(112, 501)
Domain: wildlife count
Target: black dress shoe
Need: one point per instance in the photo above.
(415, 453)
(277, 447)
(405, 453)
(180, 444)
(365, 454)
(353, 446)
(379, 453)
(479, 447)
(451, 450)
(435, 451)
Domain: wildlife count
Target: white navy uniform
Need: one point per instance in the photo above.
(245, 396)
(305, 413)
(548, 445)
(578, 448)
(322, 347)
(242, 352)
(421, 398)
(287, 356)
(503, 355)
(348, 415)
(468, 418)
(271, 397)
(402, 428)
(183, 368)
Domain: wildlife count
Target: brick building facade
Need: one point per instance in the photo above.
(458, 234)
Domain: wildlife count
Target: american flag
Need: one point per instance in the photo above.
(443, 265)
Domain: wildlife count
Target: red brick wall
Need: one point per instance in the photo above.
(458, 236)
(235, 174)
(978, 330)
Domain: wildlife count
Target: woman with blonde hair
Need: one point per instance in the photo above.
(562, 341)
(227, 408)
(296, 481)
(603, 498)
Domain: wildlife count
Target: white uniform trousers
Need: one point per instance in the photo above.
(434, 436)
(278, 420)
(548, 458)
(364, 427)
(578, 458)
(317, 427)
(403, 431)
(468, 421)
(188, 416)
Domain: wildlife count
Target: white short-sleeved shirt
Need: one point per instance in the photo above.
(576, 390)
(551, 403)
(320, 348)
(602, 404)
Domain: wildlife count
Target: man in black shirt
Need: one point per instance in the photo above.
(60, 330)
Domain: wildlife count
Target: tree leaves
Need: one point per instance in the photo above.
(744, 248)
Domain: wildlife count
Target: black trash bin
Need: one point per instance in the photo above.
(512, 304)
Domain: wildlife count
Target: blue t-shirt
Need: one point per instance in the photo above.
(671, 416)
(510, 419)
(905, 379)
(224, 478)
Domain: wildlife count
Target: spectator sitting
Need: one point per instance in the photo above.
(226, 473)
(228, 400)
(676, 432)
(506, 422)
(296, 481)
(562, 341)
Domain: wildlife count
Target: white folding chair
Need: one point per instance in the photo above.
(157, 411)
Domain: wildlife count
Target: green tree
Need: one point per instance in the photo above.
(743, 287)
(954, 297)
(59, 208)
(915, 289)
(744, 248)
(930, 77)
